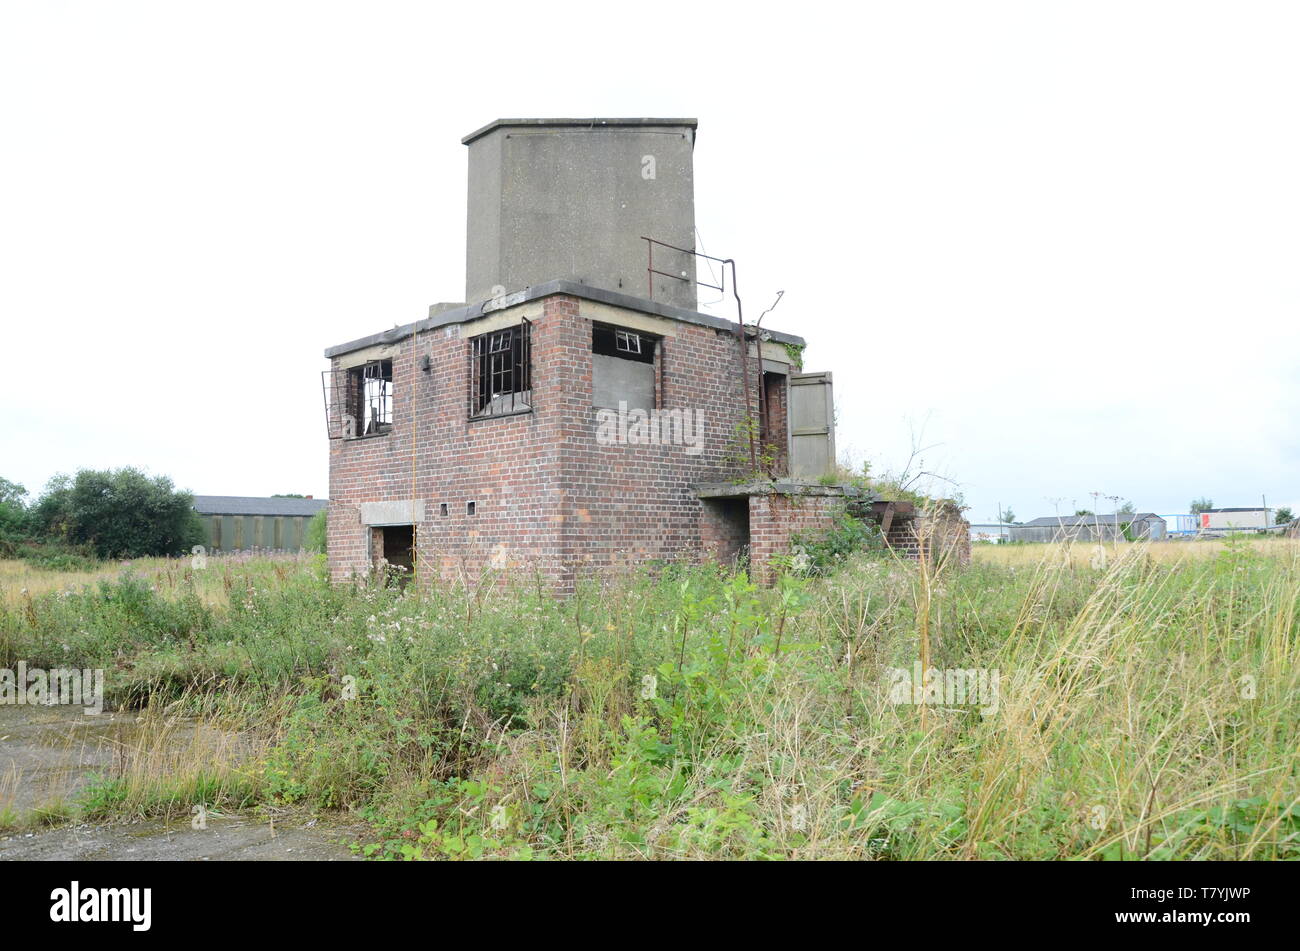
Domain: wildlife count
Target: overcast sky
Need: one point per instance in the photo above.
(1056, 241)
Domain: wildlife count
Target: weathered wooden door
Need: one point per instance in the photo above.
(812, 425)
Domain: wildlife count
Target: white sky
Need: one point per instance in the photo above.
(1062, 238)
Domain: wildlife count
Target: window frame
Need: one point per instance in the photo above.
(500, 367)
(365, 401)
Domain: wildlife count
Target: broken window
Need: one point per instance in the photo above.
(627, 342)
(622, 368)
(500, 377)
(369, 399)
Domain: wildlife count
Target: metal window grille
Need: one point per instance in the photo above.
(377, 397)
(500, 372)
(358, 400)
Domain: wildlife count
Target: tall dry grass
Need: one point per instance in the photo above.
(1082, 554)
(21, 582)
(1148, 707)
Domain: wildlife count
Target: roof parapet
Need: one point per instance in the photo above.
(469, 312)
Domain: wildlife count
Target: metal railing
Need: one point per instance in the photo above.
(651, 270)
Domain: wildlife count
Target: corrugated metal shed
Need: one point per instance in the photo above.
(1091, 528)
(245, 523)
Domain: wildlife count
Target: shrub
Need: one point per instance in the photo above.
(119, 514)
(825, 552)
(315, 538)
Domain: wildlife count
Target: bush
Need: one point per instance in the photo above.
(15, 521)
(317, 529)
(59, 558)
(119, 514)
(823, 553)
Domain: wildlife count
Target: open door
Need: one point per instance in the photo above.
(812, 425)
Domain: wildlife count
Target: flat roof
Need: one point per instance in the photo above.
(256, 505)
(732, 490)
(692, 124)
(463, 315)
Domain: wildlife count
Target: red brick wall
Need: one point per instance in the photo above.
(548, 495)
(724, 530)
(943, 533)
(630, 503)
(505, 465)
(775, 519)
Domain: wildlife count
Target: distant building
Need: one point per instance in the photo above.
(240, 523)
(990, 532)
(1182, 524)
(1087, 528)
(1227, 520)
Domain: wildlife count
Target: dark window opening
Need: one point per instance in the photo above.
(369, 399)
(623, 368)
(442, 509)
(469, 508)
(610, 341)
(500, 373)
(775, 429)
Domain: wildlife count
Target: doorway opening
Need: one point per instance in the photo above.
(725, 530)
(393, 548)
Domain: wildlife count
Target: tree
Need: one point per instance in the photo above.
(120, 514)
(1008, 517)
(1127, 509)
(1083, 512)
(14, 517)
(1283, 516)
(1201, 505)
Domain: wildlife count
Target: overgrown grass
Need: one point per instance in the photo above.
(1146, 708)
(22, 580)
(1082, 554)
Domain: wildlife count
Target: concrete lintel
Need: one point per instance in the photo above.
(469, 312)
(401, 512)
(896, 509)
(731, 490)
